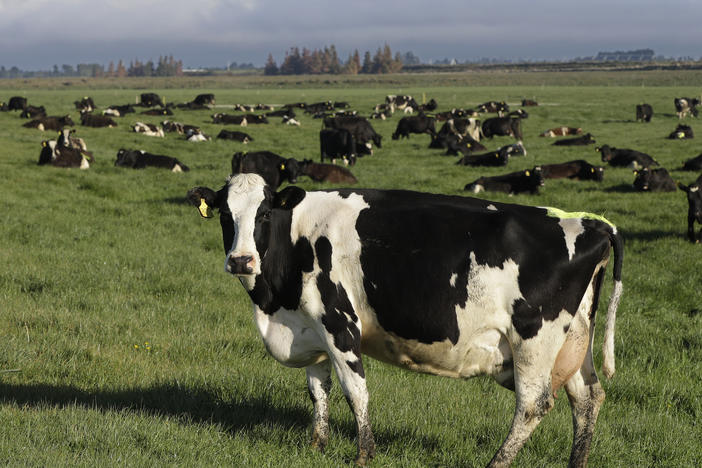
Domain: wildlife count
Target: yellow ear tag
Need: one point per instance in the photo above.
(205, 210)
(43, 144)
(592, 169)
(526, 173)
(282, 167)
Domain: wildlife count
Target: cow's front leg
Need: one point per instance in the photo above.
(319, 385)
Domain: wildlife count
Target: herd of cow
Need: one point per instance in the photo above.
(446, 285)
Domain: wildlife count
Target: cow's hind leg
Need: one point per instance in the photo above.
(319, 385)
(586, 396)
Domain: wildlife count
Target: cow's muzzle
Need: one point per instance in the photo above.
(240, 265)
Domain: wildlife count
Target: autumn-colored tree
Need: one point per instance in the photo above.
(271, 68)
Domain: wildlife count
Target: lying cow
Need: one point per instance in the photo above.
(17, 103)
(456, 144)
(141, 159)
(644, 112)
(119, 111)
(494, 107)
(684, 106)
(561, 131)
(205, 99)
(682, 132)
(512, 183)
(33, 112)
(91, 120)
(416, 124)
(326, 173)
(158, 111)
(502, 126)
(694, 208)
(653, 180)
(221, 118)
(234, 135)
(492, 158)
(150, 100)
(693, 164)
(148, 129)
(502, 290)
(625, 157)
(60, 155)
(85, 104)
(193, 133)
(273, 168)
(50, 123)
(529, 103)
(582, 140)
(578, 169)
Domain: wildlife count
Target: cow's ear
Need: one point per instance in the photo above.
(204, 199)
(683, 187)
(288, 198)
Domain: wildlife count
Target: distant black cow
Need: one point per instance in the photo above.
(415, 124)
(17, 103)
(326, 172)
(694, 209)
(429, 106)
(85, 104)
(206, 99)
(361, 129)
(151, 100)
(682, 132)
(561, 131)
(140, 159)
(578, 169)
(577, 141)
(493, 158)
(653, 180)
(158, 111)
(337, 143)
(529, 102)
(191, 106)
(33, 112)
(514, 182)
(282, 113)
(625, 157)
(495, 107)
(456, 144)
(684, 106)
(256, 119)
(234, 135)
(693, 164)
(229, 119)
(274, 168)
(50, 123)
(90, 120)
(119, 111)
(502, 126)
(644, 112)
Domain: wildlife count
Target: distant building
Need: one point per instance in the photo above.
(640, 55)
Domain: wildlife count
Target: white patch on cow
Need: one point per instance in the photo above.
(694, 189)
(40, 127)
(290, 337)
(572, 228)
(111, 112)
(147, 129)
(197, 137)
(177, 168)
(492, 207)
(477, 188)
(408, 110)
(84, 163)
(452, 281)
(292, 122)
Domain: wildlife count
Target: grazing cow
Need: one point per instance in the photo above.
(625, 157)
(514, 182)
(694, 208)
(493, 158)
(86, 104)
(529, 103)
(158, 111)
(62, 156)
(653, 180)
(17, 103)
(326, 172)
(148, 129)
(561, 131)
(206, 99)
(494, 107)
(33, 112)
(337, 143)
(502, 126)
(234, 135)
(361, 129)
(229, 119)
(446, 285)
(273, 168)
(682, 132)
(644, 112)
(693, 164)
(90, 120)
(141, 159)
(150, 100)
(50, 123)
(578, 169)
(583, 140)
(416, 124)
(684, 106)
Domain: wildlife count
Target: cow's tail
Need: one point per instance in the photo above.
(608, 345)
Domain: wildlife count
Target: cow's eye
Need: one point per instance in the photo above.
(267, 214)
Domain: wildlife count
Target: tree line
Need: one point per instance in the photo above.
(326, 61)
(166, 66)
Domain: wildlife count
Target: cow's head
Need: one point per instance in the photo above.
(289, 170)
(605, 151)
(248, 212)
(642, 179)
(126, 158)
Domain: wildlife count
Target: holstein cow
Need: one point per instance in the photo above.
(456, 144)
(326, 172)
(694, 211)
(87, 104)
(684, 106)
(561, 131)
(119, 111)
(644, 112)
(578, 169)
(234, 135)
(625, 157)
(141, 159)
(682, 132)
(273, 168)
(583, 140)
(502, 126)
(361, 129)
(62, 156)
(148, 129)
(515, 182)
(337, 143)
(495, 107)
(440, 284)
(90, 120)
(50, 123)
(653, 180)
(415, 124)
(693, 164)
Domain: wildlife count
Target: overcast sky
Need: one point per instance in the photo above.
(36, 34)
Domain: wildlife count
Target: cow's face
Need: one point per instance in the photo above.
(290, 169)
(247, 209)
(642, 180)
(605, 152)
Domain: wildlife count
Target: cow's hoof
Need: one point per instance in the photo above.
(364, 457)
(318, 442)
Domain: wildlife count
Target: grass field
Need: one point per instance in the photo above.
(123, 342)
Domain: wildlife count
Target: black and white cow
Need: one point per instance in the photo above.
(693, 164)
(148, 129)
(158, 111)
(694, 211)
(58, 154)
(561, 131)
(682, 132)
(337, 143)
(502, 126)
(644, 112)
(578, 169)
(456, 144)
(50, 123)
(234, 135)
(653, 180)
(494, 107)
(684, 106)
(492, 158)
(529, 103)
(363, 132)
(206, 99)
(273, 168)
(137, 159)
(119, 111)
(150, 100)
(529, 181)
(582, 140)
(414, 124)
(85, 104)
(445, 285)
(625, 157)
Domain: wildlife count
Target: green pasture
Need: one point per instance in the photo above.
(124, 343)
